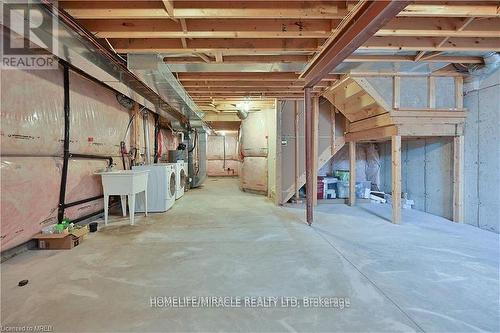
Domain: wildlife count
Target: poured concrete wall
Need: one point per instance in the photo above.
(482, 154)
(427, 164)
(427, 173)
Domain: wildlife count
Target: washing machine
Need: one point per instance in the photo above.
(182, 174)
(161, 187)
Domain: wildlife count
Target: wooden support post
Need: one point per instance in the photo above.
(459, 92)
(396, 92)
(332, 133)
(352, 173)
(135, 131)
(315, 136)
(396, 179)
(297, 148)
(432, 92)
(309, 155)
(458, 179)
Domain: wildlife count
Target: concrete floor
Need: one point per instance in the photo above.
(425, 275)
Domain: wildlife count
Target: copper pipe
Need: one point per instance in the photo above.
(309, 155)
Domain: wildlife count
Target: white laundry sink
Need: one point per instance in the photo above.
(124, 183)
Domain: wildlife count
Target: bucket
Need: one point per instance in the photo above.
(93, 226)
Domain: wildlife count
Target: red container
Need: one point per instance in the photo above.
(321, 188)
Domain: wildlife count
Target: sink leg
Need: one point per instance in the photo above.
(106, 205)
(131, 207)
(146, 202)
(124, 204)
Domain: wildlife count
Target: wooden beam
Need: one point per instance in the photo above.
(458, 179)
(246, 76)
(440, 27)
(218, 57)
(284, 28)
(204, 57)
(366, 19)
(169, 7)
(451, 10)
(431, 44)
(379, 133)
(251, 59)
(237, 84)
(419, 55)
(210, 28)
(352, 173)
(204, 9)
(212, 45)
(261, 9)
(238, 90)
(396, 179)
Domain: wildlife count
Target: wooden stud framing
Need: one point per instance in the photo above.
(458, 179)
(396, 179)
(332, 133)
(352, 173)
(396, 92)
(459, 92)
(432, 92)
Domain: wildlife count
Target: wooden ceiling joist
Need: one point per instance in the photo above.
(363, 23)
(205, 9)
(155, 45)
(239, 84)
(239, 76)
(250, 59)
(452, 9)
(262, 9)
(282, 28)
(211, 28)
(432, 44)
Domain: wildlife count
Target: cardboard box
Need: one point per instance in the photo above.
(65, 241)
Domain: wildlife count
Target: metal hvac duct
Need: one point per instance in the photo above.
(79, 48)
(478, 72)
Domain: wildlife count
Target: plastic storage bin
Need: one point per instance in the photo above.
(342, 190)
(363, 189)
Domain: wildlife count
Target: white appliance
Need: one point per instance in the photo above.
(125, 183)
(161, 187)
(181, 171)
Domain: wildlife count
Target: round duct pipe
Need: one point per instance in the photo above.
(124, 101)
(478, 72)
(242, 114)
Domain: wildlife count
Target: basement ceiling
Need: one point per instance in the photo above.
(246, 50)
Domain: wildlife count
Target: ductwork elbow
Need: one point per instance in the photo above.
(481, 71)
(242, 114)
